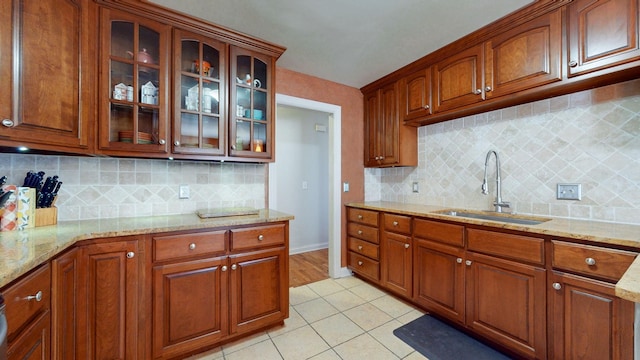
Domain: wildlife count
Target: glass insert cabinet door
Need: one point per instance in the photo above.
(250, 114)
(134, 83)
(199, 118)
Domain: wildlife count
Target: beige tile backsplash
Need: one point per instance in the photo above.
(591, 137)
(118, 187)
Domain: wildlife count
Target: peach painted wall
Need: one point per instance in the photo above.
(350, 100)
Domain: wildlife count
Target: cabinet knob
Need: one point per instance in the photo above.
(359, 247)
(478, 91)
(359, 232)
(377, 157)
(468, 262)
(488, 88)
(37, 297)
(590, 261)
(381, 157)
(224, 268)
(176, 143)
(427, 107)
(360, 263)
(557, 286)
(130, 255)
(7, 122)
(192, 246)
(406, 246)
(573, 63)
(459, 260)
(260, 237)
(233, 147)
(234, 266)
(359, 217)
(395, 223)
(162, 142)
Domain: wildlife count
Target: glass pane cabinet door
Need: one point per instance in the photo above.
(133, 115)
(251, 93)
(199, 125)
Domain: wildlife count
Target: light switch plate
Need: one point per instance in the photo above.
(569, 192)
(345, 187)
(415, 187)
(183, 193)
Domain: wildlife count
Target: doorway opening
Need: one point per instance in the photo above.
(332, 176)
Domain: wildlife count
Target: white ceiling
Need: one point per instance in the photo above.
(352, 42)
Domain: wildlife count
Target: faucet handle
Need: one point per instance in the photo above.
(502, 204)
(485, 190)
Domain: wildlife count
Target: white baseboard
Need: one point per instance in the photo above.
(304, 249)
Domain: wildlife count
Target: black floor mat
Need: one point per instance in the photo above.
(438, 341)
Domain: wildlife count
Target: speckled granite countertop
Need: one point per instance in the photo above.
(21, 251)
(598, 232)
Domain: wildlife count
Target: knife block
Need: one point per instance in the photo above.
(46, 216)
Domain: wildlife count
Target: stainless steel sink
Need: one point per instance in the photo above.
(493, 216)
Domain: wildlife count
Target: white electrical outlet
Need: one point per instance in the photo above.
(569, 192)
(183, 193)
(415, 187)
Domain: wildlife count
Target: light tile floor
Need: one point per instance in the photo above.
(332, 319)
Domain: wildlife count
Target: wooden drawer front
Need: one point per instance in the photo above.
(397, 223)
(28, 299)
(364, 266)
(368, 217)
(607, 263)
(433, 230)
(260, 236)
(187, 245)
(364, 248)
(509, 246)
(363, 232)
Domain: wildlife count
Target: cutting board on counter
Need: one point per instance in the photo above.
(222, 212)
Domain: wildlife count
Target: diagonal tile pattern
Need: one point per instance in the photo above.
(333, 319)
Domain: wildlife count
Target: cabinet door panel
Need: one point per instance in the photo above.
(112, 284)
(188, 305)
(416, 95)
(46, 94)
(524, 57)
(439, 279)
(588, 320)
(371, 129)
(506, 302)
(397, 263)
(389, 143)
(65, 295)
(259, 289)
(602, 33)
(459, 80)
(34, 343)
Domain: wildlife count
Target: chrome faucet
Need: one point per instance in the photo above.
(498, 204)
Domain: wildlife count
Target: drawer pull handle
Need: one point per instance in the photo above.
(260, 237)
(459, 260)
(7, 122)
(573, 63)
(359, 247)
(192, 246)
(37, 297)
(359, 232)
(557, 286)
(234, 266)
(590, 261)
(360, 263)
(359, 217)
(130, 255)
(224, 268)
(468, 262)
(395, 223)
(406, 246)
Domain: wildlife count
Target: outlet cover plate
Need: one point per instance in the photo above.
(569, 192)
(183, 192)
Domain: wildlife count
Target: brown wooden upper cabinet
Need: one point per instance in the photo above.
(416, 95)
(251, 119)
(200, 73)
(384, 133)
(134, 69)
(45, 97)
(601, 34)
(524, 57)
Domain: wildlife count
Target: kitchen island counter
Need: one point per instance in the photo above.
(21, 251)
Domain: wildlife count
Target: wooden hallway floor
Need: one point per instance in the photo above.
(308, 267)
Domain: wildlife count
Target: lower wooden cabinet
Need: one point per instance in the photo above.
(28, 316)
(190, 305)
(587, 321)
(65, 289)
(397, 263)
